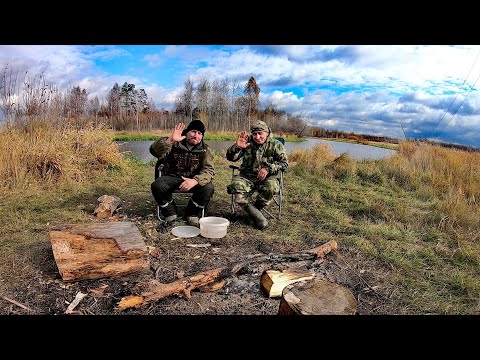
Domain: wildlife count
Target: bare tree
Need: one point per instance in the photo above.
(234, 109)
(203, 94)
(297, 124)
(93, 109)
(184, 103)
(252, 91)
(113, 104)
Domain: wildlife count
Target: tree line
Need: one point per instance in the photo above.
(336, 134)
(223, 105)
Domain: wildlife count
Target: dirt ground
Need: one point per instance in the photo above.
(44, 291)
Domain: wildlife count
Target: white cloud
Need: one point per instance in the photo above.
(154, 60)
(350, 88)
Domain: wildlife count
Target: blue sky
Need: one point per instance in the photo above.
(370, 89)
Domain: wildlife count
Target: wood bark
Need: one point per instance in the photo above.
(106, 205)
(94, 251)
(317, 297)
(186, 284)
(272, 282)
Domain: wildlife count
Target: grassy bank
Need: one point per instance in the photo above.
(382, 145)
(222, 136)
(415, 216)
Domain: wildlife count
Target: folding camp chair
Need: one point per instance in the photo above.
(278, 197)
(177, 193)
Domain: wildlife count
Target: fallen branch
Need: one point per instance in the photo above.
(75, 302)
(16, 303)
(187, 284)
(161, 291)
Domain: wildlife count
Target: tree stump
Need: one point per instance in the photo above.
(94, 251)
(317, 297)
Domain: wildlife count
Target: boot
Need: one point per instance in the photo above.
(169, 212)
(192, 214)
(259, 220)
(259, 205)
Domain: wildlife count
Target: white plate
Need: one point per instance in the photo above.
(186, 231)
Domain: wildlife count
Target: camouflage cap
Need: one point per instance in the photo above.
(259, 126)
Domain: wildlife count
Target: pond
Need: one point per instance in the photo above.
(356, 151)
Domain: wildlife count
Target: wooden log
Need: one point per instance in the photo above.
(94, 251)
(184, 285)
(212, 287)
(317, 297)
(272, 282)
(106, 205)
(189, 283)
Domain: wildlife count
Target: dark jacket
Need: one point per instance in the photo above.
(178, 160)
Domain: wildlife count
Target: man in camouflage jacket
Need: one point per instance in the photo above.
(188, 167)
(263, 158)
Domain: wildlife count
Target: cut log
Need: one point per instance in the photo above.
(106, 205)
(272, 282)
(187, 284)
(94, 251)
(317, 297)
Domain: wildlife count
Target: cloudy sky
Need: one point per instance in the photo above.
(432, 91)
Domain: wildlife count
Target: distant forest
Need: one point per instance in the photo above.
(323, 133)
(223, 105)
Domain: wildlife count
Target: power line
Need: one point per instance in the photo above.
(458, 92)
(471, 89)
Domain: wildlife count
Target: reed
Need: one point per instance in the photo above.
(42, 153)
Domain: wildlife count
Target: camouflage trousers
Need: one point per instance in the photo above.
(244, 189)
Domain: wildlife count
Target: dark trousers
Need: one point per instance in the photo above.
(164, 186)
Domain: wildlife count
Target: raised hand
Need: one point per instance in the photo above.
(242, 140)
(177, 132)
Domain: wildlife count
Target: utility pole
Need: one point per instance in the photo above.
(404, 132)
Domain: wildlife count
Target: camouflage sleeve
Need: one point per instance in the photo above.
(208, 172)
(280, 159)
(234, 153)
(160, 148)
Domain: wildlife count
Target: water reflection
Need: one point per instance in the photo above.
(356, 151)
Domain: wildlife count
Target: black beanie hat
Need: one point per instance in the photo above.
(195, 125)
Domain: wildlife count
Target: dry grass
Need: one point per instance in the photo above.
(43, 154)
(450, 177)
(402, 221)
(314, 159)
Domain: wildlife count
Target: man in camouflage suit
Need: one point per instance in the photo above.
(263, 157)
(188, 167)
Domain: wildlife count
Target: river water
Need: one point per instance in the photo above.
(355, 151)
